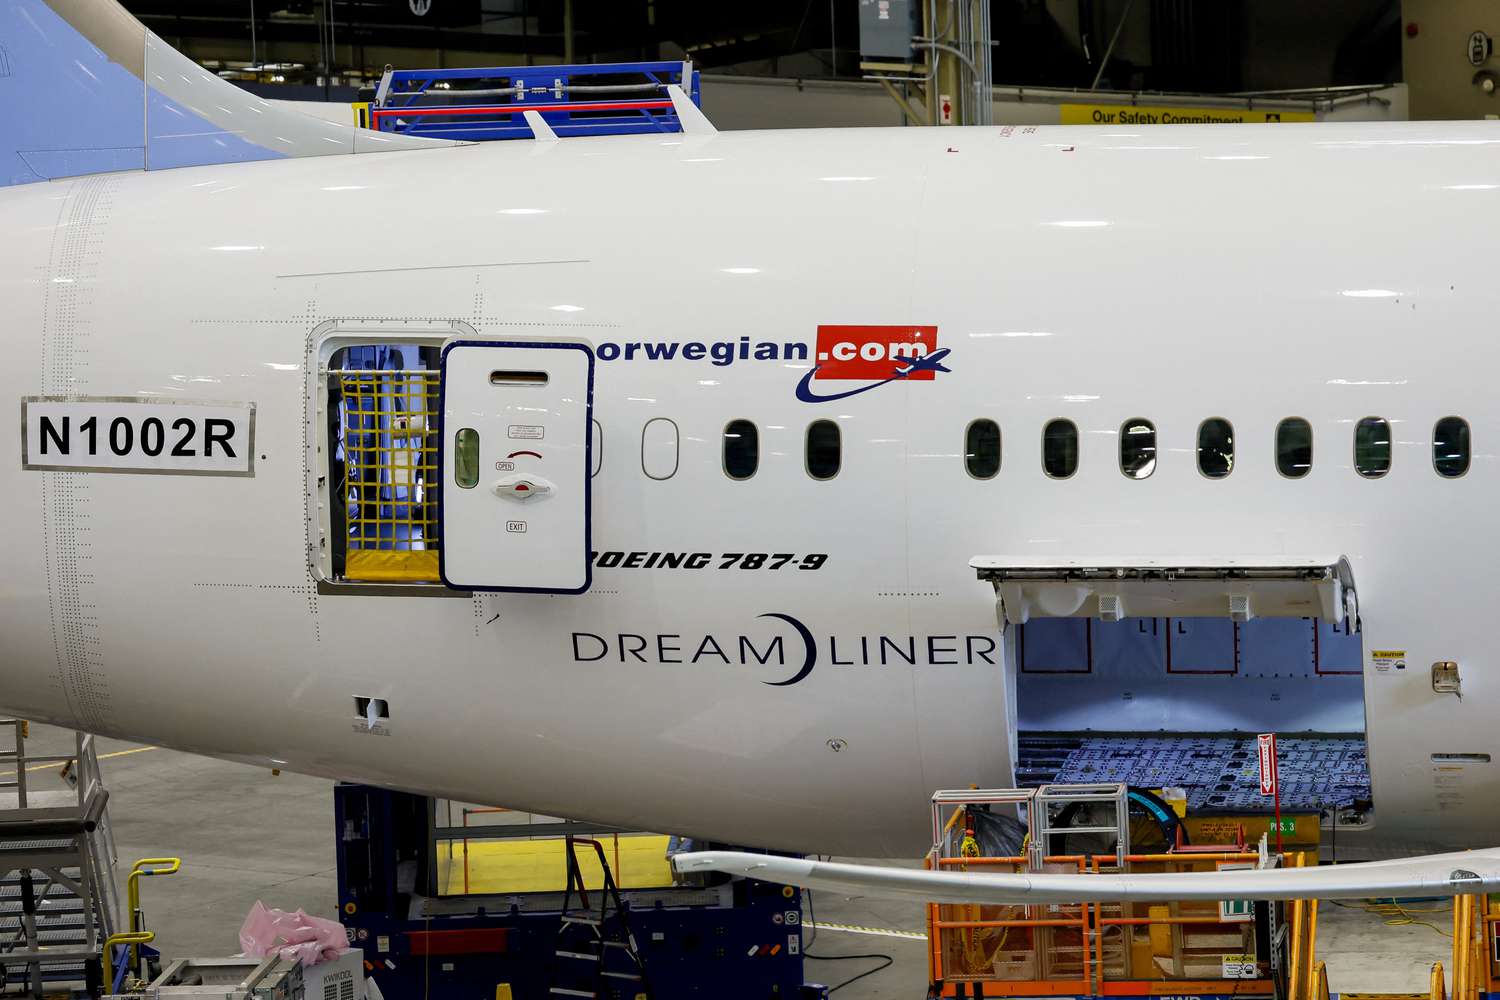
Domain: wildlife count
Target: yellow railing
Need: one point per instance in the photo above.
(1320, 982)
(1472, 926)
(133, 938)
(143, 868)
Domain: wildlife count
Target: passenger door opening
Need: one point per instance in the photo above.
(373, 440)
(1127, 674)
(378, 439)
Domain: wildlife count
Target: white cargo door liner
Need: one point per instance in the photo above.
(1113, 588)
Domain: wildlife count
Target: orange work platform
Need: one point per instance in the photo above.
(1098, 949)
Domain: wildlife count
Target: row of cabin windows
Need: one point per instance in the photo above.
(1294, 448)
(823, 448)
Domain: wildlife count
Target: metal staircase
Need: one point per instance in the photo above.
(58, 898)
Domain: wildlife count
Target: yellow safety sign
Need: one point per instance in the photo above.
(1142, 114)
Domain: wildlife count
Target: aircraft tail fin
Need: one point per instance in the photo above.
(85, 88)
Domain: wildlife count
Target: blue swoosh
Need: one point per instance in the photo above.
(805, 394)
(807, 639)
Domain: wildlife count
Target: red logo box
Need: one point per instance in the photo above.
(870, 353)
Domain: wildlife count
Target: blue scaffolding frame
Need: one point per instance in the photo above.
(487, 103)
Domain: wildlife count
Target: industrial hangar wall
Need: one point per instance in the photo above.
(770, 102)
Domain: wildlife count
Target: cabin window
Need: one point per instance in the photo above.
(381, 438)
(1294, 447)
(1372, 447)
(982, 449)
(1060, 448)
(741, 449)
(1450, 447)
(596, 448)
(1137, 448)
(466, 458)
(823, 449)
(1216, 448)
(659, 448)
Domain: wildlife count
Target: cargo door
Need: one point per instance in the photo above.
(1113, 589)
(515, 459)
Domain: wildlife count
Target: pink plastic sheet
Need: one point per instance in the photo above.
(308, 939)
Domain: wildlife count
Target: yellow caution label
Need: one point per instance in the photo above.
(1143, 114)
(1239, 967)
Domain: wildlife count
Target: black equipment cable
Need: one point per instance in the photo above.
(812, 918)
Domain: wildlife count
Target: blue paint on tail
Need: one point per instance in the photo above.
(65, 108)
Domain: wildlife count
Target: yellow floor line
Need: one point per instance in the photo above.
(102, 756)
(879, 931)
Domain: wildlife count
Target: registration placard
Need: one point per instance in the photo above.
(137, 435)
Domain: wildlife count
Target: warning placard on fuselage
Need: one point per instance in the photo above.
(138, 434)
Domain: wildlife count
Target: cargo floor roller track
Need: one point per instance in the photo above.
(1219, 771)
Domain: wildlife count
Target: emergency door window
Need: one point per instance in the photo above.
(516, 465)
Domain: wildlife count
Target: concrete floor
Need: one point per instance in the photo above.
(245, 835)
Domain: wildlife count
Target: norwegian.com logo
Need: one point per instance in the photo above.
(874, 355)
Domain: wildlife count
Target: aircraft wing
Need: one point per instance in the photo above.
(1464, 872)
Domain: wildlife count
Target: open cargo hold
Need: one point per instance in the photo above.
(1160, 676)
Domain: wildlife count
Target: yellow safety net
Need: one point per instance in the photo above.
(389, 443)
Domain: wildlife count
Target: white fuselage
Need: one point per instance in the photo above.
(1251, 273)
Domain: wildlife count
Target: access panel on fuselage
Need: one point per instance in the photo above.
(515, 461)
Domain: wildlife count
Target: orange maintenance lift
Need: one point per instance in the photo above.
(1199, 949)
(1202, 950)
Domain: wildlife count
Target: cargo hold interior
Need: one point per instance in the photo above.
(1177, 703)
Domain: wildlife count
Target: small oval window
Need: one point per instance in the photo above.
(1450, 447)
(596, 445)
(982, 449)
(659, 448)
(1137, 448)
(1060, 448)
(466, 458)
(1372, 447)
(823, 449)
(1215, 448)
(1294, 447)
(741, 449)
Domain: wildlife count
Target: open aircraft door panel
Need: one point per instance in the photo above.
(515, 461)
(1112, 589)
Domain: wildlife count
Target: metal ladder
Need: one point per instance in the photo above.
(58, 898)
(596, 954)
